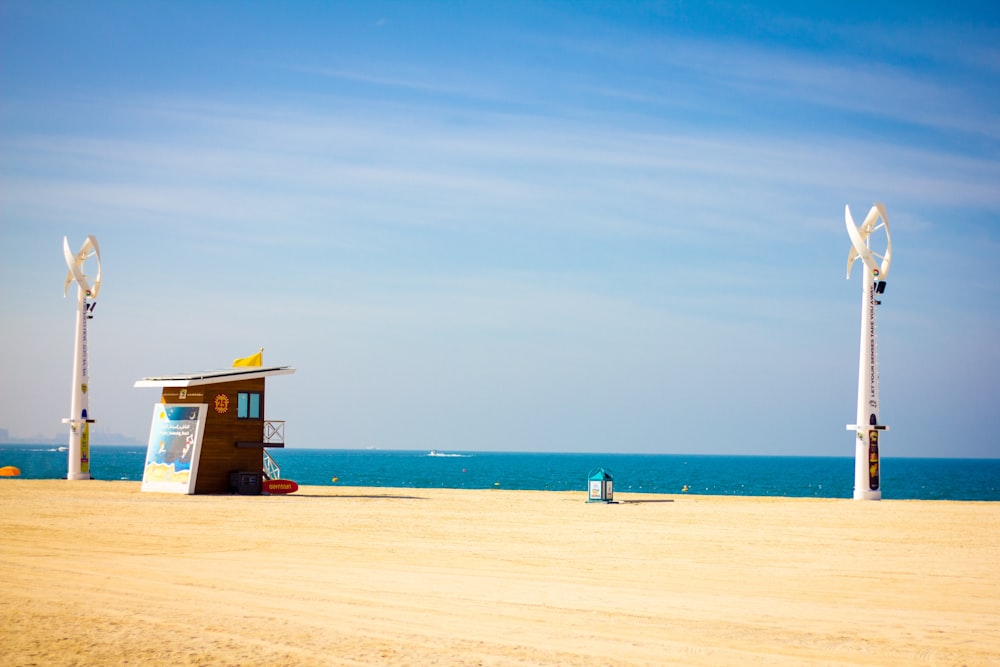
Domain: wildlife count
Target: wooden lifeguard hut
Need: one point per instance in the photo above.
(209, 434)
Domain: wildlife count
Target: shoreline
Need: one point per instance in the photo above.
(331, 489)
(348, 575)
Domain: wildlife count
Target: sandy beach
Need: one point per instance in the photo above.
(99, 573)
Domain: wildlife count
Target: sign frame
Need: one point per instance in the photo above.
(174, 447)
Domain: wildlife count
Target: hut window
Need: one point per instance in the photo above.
(248, 404)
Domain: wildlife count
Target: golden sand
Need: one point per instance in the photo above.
(99, 573)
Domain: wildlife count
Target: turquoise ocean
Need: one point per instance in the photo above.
(790, 476)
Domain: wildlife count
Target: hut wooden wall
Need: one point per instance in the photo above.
(219, 453)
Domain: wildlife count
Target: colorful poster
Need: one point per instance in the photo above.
(873, 480)
(174, 447)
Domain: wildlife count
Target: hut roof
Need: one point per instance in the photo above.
(213, 377)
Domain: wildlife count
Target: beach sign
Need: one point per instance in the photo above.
(174, 447)
(280, 486)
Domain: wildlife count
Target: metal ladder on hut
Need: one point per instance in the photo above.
(271, 469)
(274, 434)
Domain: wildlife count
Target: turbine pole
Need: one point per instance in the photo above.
(79, 420)
(867, 465)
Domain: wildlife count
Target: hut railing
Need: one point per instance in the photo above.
(274, 432)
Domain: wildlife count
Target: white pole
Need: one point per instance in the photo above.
(867, 485)
(867, 427)
(79, 429)
(79, 420)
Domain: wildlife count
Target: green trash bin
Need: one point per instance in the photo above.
(600, 486)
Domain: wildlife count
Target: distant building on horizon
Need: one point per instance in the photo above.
(96, 438)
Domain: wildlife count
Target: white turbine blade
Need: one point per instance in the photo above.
(858, 241)
(868, 226)
(75, 264)
(853, 254)
(92, 243)
(71, 263)
(887, 258)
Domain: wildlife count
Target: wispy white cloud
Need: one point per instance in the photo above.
(302, 167)
(945, 91)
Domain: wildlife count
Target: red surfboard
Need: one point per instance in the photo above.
(280, 486)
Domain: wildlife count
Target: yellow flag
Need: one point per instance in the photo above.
(252, 360)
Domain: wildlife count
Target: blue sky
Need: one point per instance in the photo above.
(510, 226)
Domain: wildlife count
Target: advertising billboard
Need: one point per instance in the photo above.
(174, 447)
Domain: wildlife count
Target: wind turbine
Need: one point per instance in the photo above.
(867, 484)
(79, 420)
